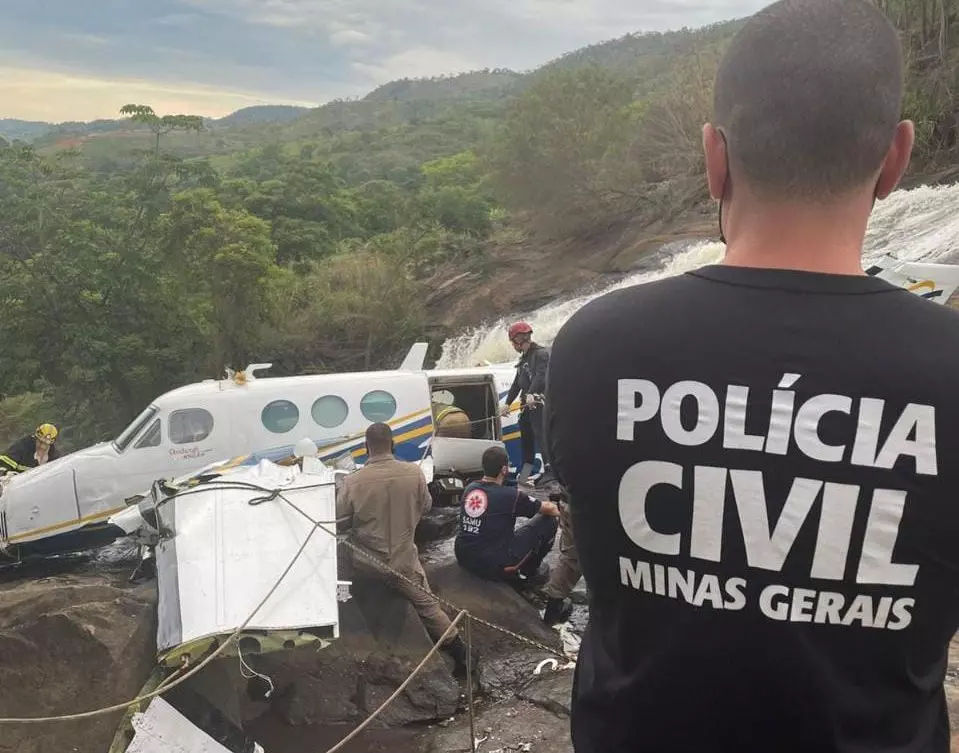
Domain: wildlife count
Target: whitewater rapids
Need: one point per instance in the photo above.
(921, 224)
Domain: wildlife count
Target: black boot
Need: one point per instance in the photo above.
(458, 653)
(557, 611)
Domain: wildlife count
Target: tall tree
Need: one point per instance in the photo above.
(161, 125)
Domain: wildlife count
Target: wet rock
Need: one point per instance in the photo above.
(438, 523)
(515, 726)
(552, 691)
(506, 662)
(381, 641)
(433, 697)
(68, 644)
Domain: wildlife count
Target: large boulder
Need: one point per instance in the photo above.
(68, 644)
(381, 641)
(506, 661)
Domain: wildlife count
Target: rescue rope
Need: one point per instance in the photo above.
(447, 603)
(469, 683)
(432, 652)
(169, 683)
(165, 686)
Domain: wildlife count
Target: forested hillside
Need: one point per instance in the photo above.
(150, 251)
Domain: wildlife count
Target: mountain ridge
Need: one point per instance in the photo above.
(14, 129)
(491, 85)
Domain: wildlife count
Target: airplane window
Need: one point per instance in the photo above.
(133, 429)
(280, 416)
(151, 437)
(189, 426)
(378, 405)
(330, 411)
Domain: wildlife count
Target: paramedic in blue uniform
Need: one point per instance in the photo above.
(486, 543)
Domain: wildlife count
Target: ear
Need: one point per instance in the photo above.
(714, 148)
(897, 159)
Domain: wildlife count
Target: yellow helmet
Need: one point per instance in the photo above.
(46, 433)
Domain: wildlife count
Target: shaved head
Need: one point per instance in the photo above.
(379, 439)
(809, 96)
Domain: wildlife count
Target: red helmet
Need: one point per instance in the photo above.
(520, 328)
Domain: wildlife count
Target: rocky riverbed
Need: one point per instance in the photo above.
(76, 634)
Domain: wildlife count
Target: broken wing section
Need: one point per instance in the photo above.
(223, 546)
(163, 729)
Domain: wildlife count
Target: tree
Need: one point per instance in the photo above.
(161, 125)
(551, 150)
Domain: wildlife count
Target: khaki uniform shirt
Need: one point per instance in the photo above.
(386, 499)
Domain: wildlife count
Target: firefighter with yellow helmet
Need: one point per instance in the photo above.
(450, 420)
(30, 451)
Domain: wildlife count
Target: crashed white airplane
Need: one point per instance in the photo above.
(65, 505)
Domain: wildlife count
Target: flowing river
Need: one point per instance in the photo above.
(921, 224)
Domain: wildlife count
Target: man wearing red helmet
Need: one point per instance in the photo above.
(529, 384)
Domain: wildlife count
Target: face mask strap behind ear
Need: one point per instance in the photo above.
(722, 197)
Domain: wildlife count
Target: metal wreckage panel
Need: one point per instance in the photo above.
(225, 555)
(163, 729)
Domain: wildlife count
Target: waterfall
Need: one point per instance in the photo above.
(921, 224)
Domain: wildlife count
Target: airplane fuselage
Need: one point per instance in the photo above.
(230, 420)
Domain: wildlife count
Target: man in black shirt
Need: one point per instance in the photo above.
(760, 454)
(529, 384)
(487, 544)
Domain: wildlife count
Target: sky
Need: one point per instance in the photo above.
(83, 59)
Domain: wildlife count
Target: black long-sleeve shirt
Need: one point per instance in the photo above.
(20, 455)
(530, 376)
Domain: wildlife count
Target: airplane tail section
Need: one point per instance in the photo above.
(415, 358)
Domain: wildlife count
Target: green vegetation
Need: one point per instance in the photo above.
(150, 251)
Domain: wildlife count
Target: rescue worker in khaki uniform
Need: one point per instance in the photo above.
(384, 501)
(567, 572)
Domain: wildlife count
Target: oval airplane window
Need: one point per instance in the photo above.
(191, 425)
(330, 411)
(280, 416)
(378, 405)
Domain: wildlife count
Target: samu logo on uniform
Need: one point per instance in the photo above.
(767, 546)
(475, 505)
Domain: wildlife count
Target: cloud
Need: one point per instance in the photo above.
(347, 37)
(210, 53)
